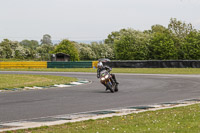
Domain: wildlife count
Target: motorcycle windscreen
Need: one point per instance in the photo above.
(103, 73)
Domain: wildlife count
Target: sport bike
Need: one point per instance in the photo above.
(107, 80)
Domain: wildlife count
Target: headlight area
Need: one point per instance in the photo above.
(106, 76)
(102, 78)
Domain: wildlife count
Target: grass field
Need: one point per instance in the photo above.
(19, 81)
(175, 120)
(120, 70)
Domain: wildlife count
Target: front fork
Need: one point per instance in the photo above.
(110, 80)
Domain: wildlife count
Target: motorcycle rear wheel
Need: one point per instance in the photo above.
(116, 88)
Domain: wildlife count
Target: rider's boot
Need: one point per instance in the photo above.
(116, 81)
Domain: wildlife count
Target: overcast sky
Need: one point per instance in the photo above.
(89, 19)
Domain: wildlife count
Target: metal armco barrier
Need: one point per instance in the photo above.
(80, 64)
(35, 64)
(155, 64)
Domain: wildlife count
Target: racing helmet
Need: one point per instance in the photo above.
(100, 64)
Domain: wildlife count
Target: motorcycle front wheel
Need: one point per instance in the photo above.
(108, 85)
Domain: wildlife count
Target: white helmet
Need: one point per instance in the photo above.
(100, 64)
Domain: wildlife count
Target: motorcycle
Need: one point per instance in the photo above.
(106, 80)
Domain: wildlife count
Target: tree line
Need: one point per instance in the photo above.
(26, 49)
(177, 41)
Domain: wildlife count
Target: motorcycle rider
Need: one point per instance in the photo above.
(107, 68)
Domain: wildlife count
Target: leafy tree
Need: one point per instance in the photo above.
(86, 53)
(180, 29)
(102, 50)
(131, 45)
(162, 47)
(22, 53)
(111, 37)
(44, 51)
(46, 39)
(158, 28)
(12, 49)
(114, 36)
(1, 52)
(69, 48)
(191, 47)
(107, 51)
(6, 50)
(31, 46)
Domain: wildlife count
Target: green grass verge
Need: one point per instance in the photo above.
(19, 81)
(120, 70)
(175, 120)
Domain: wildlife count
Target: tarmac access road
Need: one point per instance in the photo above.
(134, 90)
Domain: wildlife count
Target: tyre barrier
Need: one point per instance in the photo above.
(94, 64)
(113, 64)
(35, 64)
(155, 64)
(80, 64)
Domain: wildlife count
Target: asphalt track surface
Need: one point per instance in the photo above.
(134, 90)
